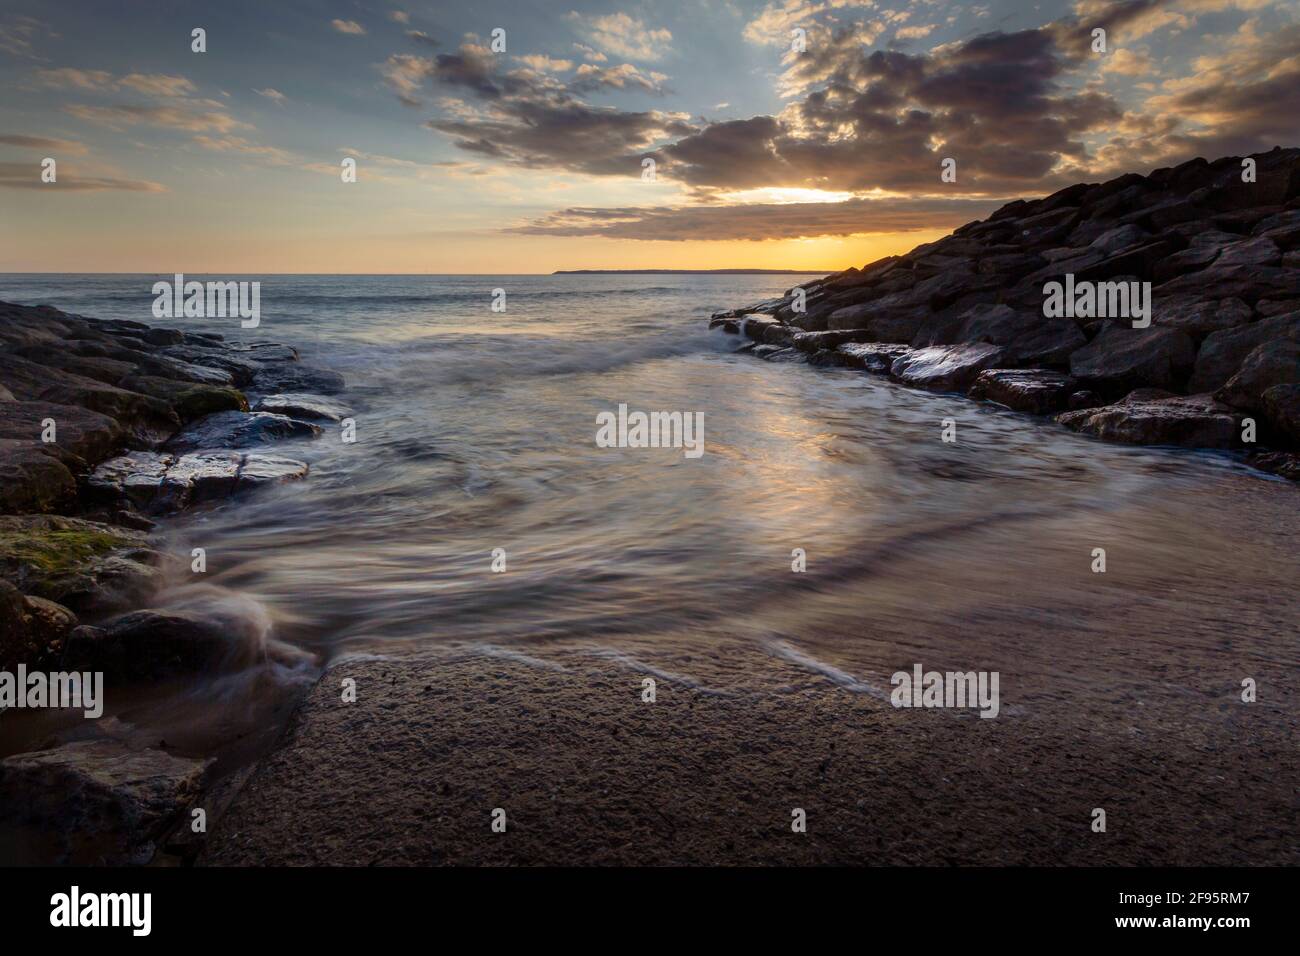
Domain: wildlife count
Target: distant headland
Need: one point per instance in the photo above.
(686, 272)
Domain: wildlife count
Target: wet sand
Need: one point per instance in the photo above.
(1118, 690)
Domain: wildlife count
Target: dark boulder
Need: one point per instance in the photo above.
(1148, 417)
(1037, 392)
(1121, 358)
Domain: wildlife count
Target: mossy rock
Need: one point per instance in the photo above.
(82, 564)
(190, 400)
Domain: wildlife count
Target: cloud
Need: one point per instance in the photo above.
(545, 64)
(28, 176)
(593, 56)
(17, 33)
(622, 35)
(531, 119)
(419, 36)
(158, 84)
(348, 26)
(759, 221)
(590, 77)
(67, 77)
(170, 117)
(44, 143)
(400, 16)
(272, 94)
(916, 32)
(237, 144)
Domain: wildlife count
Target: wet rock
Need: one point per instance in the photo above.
(1270, 364)
(875, 357)
(1284, 464)
(1148, 417)
(1222, 353)
(234, 429)
(83, 565)
(32, 479)
(32, 629)
(945, 368)
(782, 335)
(88, 437)
(818, 341)
(752, 326)
(1122, 358)
(146, 419)
(305, 406)
(152, 645)
(190, 400)
(1035, 391)
(1119, 237)
(778, 353)
(96, 802)
(161, 482)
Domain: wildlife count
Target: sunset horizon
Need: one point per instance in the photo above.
(611, 444)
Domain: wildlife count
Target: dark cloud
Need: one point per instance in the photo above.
(758, 221)
(886, 119)
(532, 119)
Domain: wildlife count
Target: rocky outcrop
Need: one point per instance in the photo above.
(1151, 417)
(1222, 257)
(100, 420)
(98, 802)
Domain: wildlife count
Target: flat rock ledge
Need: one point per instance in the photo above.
(1216, 367)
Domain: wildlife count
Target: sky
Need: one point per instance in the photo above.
(799, 134)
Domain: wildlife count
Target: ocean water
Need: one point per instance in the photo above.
(476, 432)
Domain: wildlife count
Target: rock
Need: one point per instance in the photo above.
(945, 368)
(1121, 358)
(32, 479)
(1033, 391)
(1011, 264)
(97, 802)
(1196, 256)
(1199, 317)
(88, 437)
(234, 429)
(1284, 464)
(1249, 283)
(6, 395)
(168, 482)
(1192, 421)
(32, 629)
(1119, 237)
(1084, 398)
(146, 419)
(304, 405)
(1282, 408)
(1222, 353)
(1270, 364)
(1031, 338)
(153, 645)
(190, 400)
(819, 341)
(753, 326)
(83, 565)
(1250, 252)
(110, 371)
(871, 356)
(778, 353)
(782, 335)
